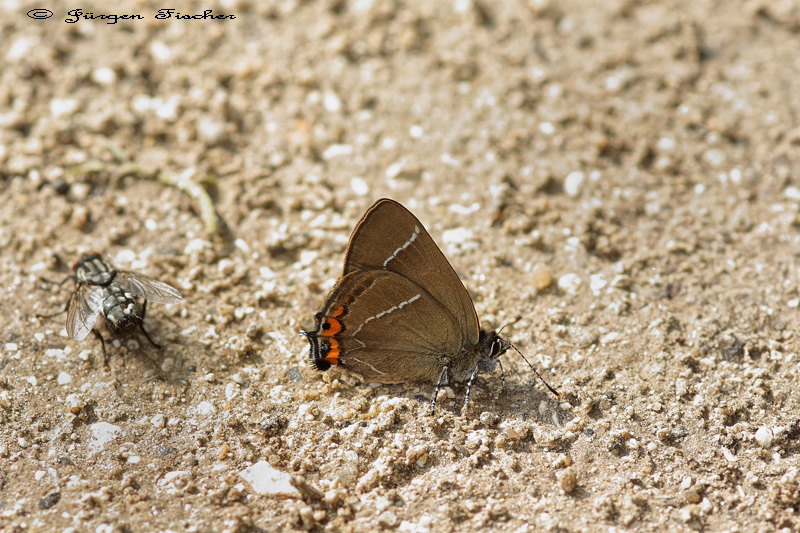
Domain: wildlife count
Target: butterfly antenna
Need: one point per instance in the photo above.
(546, 384)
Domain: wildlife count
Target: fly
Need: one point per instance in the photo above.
(101, 289)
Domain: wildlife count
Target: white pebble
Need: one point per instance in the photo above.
(205, 408)
(336, 150)
(104, 76)
(597, 283)
(210, 130)
(359, 186)
(573, 182)
(231, 391)
(792, 193)
(331, 102)
(457, 236)
(764, 437)
(63, 106)
(102, 434)
(569, 283)
(158, 420)
(267, 480)
(63, 378)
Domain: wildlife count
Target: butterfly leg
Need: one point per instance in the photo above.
(469, 386)
(141, 326)
(502, 376)
(444, 378)
(103, 345)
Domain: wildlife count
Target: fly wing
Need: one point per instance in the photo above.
(148, 288)
(85, 306)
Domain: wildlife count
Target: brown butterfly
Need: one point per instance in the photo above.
(399, 312)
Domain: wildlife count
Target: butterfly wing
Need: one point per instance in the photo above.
(85, 306)
(354, 331)
(148, 288)
(389, 237)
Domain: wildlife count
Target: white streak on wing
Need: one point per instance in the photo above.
(369, 365)
(388, 311)
(405, 245)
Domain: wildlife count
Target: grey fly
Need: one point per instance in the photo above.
(102, 289)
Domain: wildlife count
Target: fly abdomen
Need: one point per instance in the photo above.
(120, 308)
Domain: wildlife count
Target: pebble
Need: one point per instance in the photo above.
(81, 216)
(542, 277)
(359, 186)
(569, 283)
(337, 150)
(102, 434)
(205, 408)
(264, 479)
(764, 437)
(74, 403)
(567, 480)
(573, 182)
(175, 482)
(388, 519)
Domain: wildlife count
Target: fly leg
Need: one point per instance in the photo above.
(103, 344)
(66, 308)
(141, 326)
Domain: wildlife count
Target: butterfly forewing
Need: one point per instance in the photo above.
(85, 306)
(406, 248)
(148, 288)
(356, 314)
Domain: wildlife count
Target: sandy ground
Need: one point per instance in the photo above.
(645, 154)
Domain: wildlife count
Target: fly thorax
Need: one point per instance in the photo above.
(94, 271)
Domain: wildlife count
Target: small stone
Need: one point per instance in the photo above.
(567, 480)
(563, 460)
(74, 403)
(211, 131)
(102, 434)
(764, 437)
(264, 479)
(388, 519)
(573, 182)
(542, 277)
(489, 419)
(569, 283)
(205, 408)
(693, 495)
(81, 216)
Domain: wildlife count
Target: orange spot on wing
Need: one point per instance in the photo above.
(332, 327)
(332, 356)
